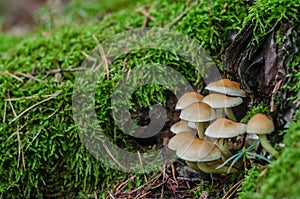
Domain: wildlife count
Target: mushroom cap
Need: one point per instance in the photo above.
(260, 124)
(187, 99)
(183, 138)
(198, 112)
(199, 151)
(227, 87)
(224, 128)
(221, 101)
(180, 127)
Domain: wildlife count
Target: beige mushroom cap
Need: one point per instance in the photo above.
(198, 112)
(187, 99)
(260, 124)
(199, 151)
(227, 87)
(224, 128)
(221, 101)
(181, 126)
(184, 138)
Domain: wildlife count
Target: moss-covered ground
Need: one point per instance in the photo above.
(41, 153)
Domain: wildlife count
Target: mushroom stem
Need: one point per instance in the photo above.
(204, 167)
(193, 165)
(267, 146)
(223, 146)
(210, 167)
(226, 153)
(219, 112)
(200, 129)
(230, 114)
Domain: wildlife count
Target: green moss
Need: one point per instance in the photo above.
(7, 42)
(266, 15)
(250, 183)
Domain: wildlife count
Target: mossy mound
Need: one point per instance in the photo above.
(42, 155)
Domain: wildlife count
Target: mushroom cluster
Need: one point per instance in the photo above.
(204, 137)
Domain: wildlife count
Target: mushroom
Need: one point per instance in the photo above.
(227, 87)
(220, 102)
(261, 125)
(181, 126)
(199, 154)
(183, 138)
(198, 112)
(187, 99)
(223, 128)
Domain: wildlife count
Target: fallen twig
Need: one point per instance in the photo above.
(37, 104)
(172, 23)
(60, 104)
(95, 195)
(103, 56)
(29, 97)
(173, 174)
(14, 76)
(113, 158)
(121, 186)
(141, 164)
(29, 76)
(232, 190)
(58, 71)
(145, 13)
(15, 132)
(4, 113)
(33, 139)
(189, 179)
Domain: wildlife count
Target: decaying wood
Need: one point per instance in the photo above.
(261, 68)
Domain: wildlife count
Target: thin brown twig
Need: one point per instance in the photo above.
(11, 106)
(189, 179)
(162, 192)
(48, 72)
(95, 195)
(15, 132)
(103, 56)
(143, 185)
(20, 150)
(18, 137)
(232, 190)
(122, 185)
(19, 147)
(143, 195)
(113, 158)
(14, 76)
(29, 97)
(4, 114)
(55, 110)
(142, 167)
(33, 139)
(37, 104)
(174, 21)
(145, 13)
(90, 58)
(173, 174)
(29, 76)
(110, 194)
